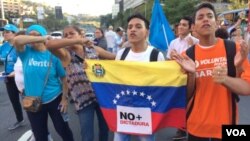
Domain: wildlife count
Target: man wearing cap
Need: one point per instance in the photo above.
(9, 57)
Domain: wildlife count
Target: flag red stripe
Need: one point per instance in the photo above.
(176, 117)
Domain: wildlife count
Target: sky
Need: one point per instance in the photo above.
(90, 7)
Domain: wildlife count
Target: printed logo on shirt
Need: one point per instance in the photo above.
(216, 61)
(208, 65)
(35, 63)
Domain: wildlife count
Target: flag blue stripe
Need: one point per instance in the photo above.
(165, 98)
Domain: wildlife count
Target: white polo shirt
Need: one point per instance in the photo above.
(180, 45)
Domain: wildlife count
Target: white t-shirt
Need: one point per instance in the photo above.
(18, 70)
(118, 41)
(180, 45)
(110, 37)
(142, 56)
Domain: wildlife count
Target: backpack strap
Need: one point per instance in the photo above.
(154, 55)
(230, 47)
(230, 51)
(190, 52)
(125, 53)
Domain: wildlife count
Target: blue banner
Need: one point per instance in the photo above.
(161, 33)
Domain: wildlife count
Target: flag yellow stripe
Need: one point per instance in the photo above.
(164, 73)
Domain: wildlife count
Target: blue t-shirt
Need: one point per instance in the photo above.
(8, 55)
(35, 68)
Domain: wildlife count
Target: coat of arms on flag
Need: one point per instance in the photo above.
(139, 97)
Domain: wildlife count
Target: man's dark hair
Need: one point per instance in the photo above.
(75, 27)
(205, 5)
(139, 16)
(118, 29)
(221, 33)
(231, 32)
(189, 19)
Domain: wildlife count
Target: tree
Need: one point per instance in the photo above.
(105, 20)
(9, 15)
(121, 18)
(49, 22)
(176, 9)
(237, 4)
(173, 9)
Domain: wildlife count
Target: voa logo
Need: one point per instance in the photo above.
(236, 132)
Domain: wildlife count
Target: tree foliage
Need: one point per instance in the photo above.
(173, 9)
(106, 20)
(121, 18)
(49, 22)
(237, 4)
(176, 9)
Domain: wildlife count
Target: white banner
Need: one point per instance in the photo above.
(134, 120)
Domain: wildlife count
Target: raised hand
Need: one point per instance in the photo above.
(190, 41)
(242, 54)
(185, 62)
(64, 105)
(173, 52)
(86, 42)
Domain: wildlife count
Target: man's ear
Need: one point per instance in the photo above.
(193, 28)
(147, 33)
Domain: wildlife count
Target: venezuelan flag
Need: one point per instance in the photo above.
(139, 97)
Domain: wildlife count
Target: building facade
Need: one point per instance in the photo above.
(127, 4)
(11, 5)
(115, 10)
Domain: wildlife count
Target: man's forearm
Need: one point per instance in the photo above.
(237, 85)
(22, 40)
(61, 43)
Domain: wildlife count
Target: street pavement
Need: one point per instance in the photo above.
(7, 118)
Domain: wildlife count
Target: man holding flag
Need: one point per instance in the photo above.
(139, 103)
(138, 27)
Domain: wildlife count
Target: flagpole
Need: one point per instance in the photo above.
(165, 35)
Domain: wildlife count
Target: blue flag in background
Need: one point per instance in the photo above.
(161, 33)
